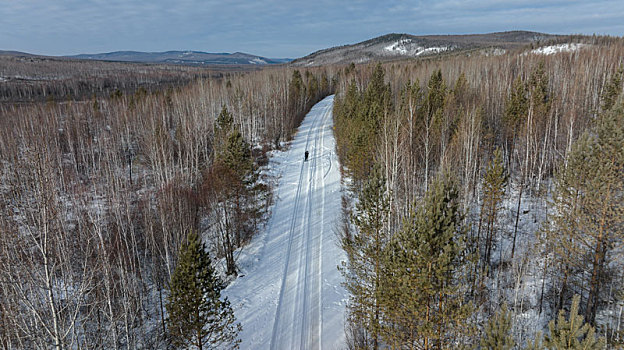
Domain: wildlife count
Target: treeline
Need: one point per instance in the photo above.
(486, 186)
(40, 79)
(98, 197)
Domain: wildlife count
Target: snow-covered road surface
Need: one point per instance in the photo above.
(290, 296)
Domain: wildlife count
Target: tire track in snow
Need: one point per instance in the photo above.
(267, 298)
(286, 309)
(311, 319)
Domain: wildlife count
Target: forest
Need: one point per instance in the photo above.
(486, 201)
(100, 192)
(483, 203)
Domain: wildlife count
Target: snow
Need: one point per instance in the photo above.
(399, 46)
(494, 52)
(406, 47)
(430, 50)
(518, 281)
(289, 293)
(257, 60)
(553, 49)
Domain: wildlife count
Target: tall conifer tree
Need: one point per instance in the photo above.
(571, 333)
(197, 315)
(493, 192)
(585, 228)
(364, 249)
(232, 188)
(516, 109)
(498, 332)
(424, 275)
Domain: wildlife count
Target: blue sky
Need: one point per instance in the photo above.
(271, 28)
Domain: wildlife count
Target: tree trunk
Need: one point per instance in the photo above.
(515, 234)
(598, 261)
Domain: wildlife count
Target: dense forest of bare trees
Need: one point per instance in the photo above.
(97, 197)
(533, 146)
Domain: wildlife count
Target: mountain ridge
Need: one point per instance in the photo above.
(403, 45)
(183, 57)
(188, 57)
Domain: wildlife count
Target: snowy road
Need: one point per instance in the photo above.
(290, 296)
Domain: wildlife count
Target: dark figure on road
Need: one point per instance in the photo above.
(306, 156)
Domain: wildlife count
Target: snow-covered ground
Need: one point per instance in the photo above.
(399, 46)
(406, 47)
(289, 293)
(553, 49)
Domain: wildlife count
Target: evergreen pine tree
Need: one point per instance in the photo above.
(312, 89)
(197, 315)
(325, 88)
(515, 113)
(296, 98)
(424, 273)
(572, 333)
(612, 90)
(231, 148)
(377, 99)
(498, 331)
(376, 105)
(237, 195)
(537, 343)
(436, 93)
(493, 192)
(358, 119)
(516, 106)
(346, 113)
(225, 121)
(224, 124)
(584, 231)
(364, 251)
(237, 156)
(434, 113)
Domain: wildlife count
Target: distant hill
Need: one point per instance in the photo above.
(182, 57)
(397, 46)
(15, 54)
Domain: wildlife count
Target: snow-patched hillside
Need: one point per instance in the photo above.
(289, 293)
(402, 46)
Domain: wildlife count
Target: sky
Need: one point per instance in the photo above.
(278, 29)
